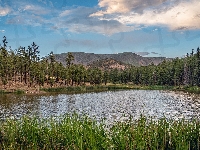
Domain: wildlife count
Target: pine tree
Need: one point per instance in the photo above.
(69, 59)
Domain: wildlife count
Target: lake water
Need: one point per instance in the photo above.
(112, 106)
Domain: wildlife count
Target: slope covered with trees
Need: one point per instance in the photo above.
(25, 68)
(128, 58)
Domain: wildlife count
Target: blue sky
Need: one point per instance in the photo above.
(168, 28)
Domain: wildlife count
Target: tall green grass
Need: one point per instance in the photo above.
(18, 91)
(100, 88)
(74, 132)
(82, 89)
(2, 92)
(192, 89)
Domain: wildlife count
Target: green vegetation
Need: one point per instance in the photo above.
(82, 89)
(19, 92)
(24, 67)
(115, 87)
(2, 91)
(99, 88)
(15, 92)
(74, 132)
(193, 89)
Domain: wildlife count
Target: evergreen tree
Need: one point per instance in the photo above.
(69, 59)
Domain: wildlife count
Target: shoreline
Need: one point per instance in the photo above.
(98, 88)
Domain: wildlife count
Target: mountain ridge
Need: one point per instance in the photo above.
(128, 58)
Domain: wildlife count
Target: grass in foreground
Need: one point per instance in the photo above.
(74, 132)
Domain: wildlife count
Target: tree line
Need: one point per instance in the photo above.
(25, 66)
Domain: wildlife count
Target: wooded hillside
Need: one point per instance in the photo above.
(23, 68)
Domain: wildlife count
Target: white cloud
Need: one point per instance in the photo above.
(114, 17)
(142, 53)
(175, 14)
(65, 13)
(185, 15)
(29, 14)
(74, 21)
(43, 1)
(105, 28)
(34, 9)
(2, 31)
(125, 6)
(4, 11)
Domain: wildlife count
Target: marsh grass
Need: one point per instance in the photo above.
(19, 92)
(74, 132)
(108, 87)
(2, 92)
(192, 89)
(83, 89)
(101, 88)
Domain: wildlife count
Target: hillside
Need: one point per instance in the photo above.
(125, 58)
(108, 63)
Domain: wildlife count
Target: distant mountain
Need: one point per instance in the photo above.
(108, 64)
(128, 58)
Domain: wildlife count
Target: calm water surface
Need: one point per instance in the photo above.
(113, 106)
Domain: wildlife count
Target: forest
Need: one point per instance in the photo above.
(25, 66)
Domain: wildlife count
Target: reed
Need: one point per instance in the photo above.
(19, 92)
(75, 132)
(2, 92)
(192, 89)
(82, 89)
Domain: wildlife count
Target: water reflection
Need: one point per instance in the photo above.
(113, 106)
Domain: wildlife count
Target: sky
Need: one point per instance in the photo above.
(150, 28)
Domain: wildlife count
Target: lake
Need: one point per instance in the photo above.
(111, 105)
